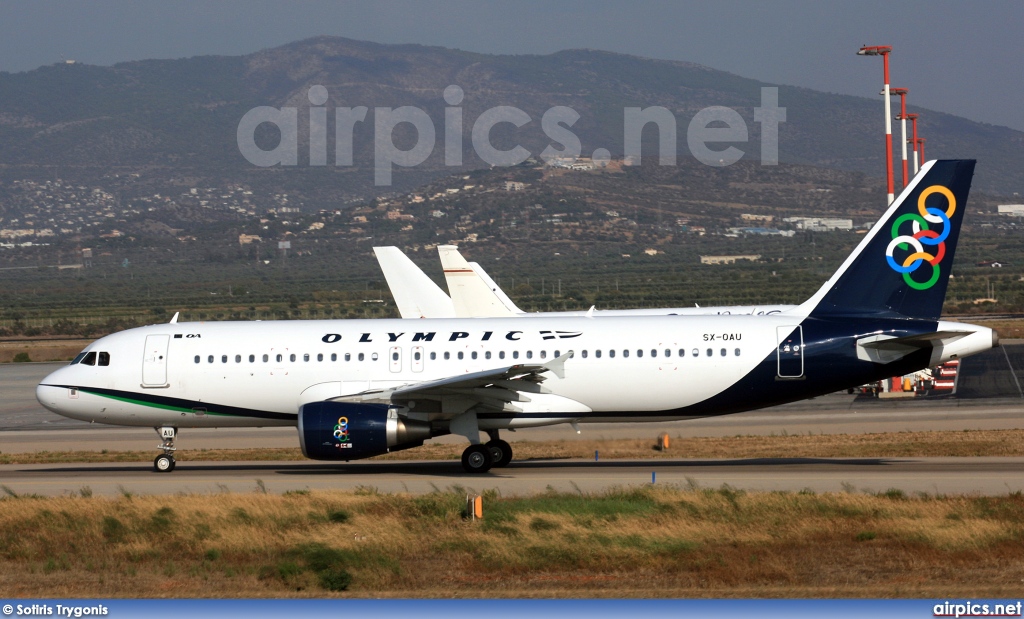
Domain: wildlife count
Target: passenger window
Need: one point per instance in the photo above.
(639, 352)
(487, 355)
(584, 352)
(361, 356)
(238, 358)
(223, 358)
(557, 354)
(710, 352)
(654, 353)
(625, 353)
(515, 354)
(737, 352)
(543, 354)
(320, 356)
(696, 352)
(447, 356)
(501, 354)
(723, 352)
(280, 358)
(668, 353)
(416, 356)
(291, 357)
(460, 355)
(433, 356)
(611, 353)
(682, 353)
(334, 356)
(597, 353)
(394, 356)
(209, 359)
(305, 357)
(374, 356)
(348, 356)
(473, 354)
(197, 358)
(266, 358)
(252, 358)
(529, 354)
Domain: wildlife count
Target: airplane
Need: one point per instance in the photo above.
(475, 295)
(360, 388)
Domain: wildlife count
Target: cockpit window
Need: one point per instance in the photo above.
(104, 358)
(90, 358)
(78, 359)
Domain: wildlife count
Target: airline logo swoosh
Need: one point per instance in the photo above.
(560, 335)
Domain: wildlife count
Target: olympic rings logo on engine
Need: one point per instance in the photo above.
(924, 245)
(341, 430)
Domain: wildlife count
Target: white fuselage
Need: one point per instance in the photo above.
(636, 364)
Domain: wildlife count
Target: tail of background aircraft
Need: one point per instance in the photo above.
(416, 295)
(471, 295)
(901, 268)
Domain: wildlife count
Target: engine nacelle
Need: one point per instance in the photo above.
(347, 431)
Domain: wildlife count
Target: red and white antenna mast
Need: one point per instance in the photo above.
(902, 117)
(913, 141)
(884, 51)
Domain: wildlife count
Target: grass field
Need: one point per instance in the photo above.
(657, 542)
(967, 443)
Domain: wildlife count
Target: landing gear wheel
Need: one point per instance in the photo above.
(476, 459)
(501, 453)
(163, 463)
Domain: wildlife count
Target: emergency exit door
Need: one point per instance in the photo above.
(154, 361)
(395, 358)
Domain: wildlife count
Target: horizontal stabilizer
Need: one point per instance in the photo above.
(886, 348)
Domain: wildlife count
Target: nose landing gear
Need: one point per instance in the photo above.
(164, 463)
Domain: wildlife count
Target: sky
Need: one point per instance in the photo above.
(958, 57)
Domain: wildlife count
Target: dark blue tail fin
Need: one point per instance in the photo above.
(902, 266)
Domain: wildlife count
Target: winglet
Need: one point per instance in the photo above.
(174, 319)
(590, 312)
(557, 366)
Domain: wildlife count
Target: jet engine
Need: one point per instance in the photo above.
(348, 431)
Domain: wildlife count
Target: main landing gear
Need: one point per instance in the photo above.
(164, 463)
(481, 458)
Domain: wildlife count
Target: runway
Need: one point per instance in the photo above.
(27, 427)
(985, 476)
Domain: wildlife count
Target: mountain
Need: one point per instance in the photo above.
(177, 119)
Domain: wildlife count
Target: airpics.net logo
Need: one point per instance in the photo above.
(709, 127)
(968, 608)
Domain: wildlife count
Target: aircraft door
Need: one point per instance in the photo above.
(154, 361)
(417, 359)
(790, 351)
(395, 358)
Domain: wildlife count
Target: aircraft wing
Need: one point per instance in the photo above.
(492, 389)
(416, 295)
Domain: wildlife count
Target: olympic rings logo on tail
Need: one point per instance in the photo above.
(922, 236)
(341, 430)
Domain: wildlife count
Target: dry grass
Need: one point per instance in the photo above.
(42, 350)
(662, 542)
(967, 443)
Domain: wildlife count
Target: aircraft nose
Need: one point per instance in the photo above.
(49, 394)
